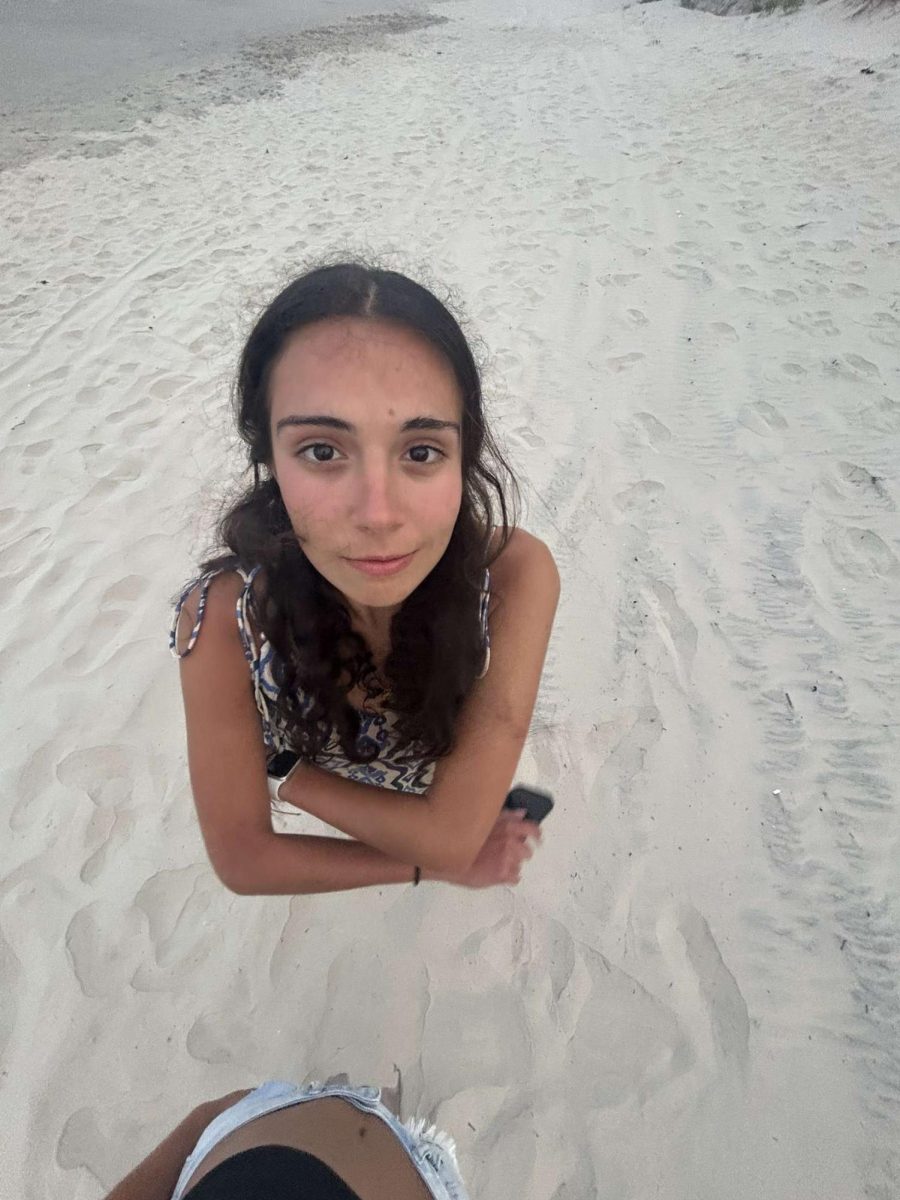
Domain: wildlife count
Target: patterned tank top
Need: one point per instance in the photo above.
(377, 729)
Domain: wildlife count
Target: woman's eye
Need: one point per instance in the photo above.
(420, 454)
(318, 452)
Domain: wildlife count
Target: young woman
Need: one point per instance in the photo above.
(378, 625)
(319, 1142)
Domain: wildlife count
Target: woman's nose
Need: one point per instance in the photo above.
(377, 501)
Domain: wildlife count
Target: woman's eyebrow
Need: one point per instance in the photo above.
(428, 423)
(328, 422)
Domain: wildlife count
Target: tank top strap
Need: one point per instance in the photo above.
(256, 649)
(253, 652)
(200, 585)
(485, 624)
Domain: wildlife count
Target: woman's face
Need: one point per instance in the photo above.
(365, 421)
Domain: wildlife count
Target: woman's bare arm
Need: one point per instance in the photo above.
(445, 830)
(227, 760)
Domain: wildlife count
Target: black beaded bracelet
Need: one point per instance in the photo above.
(417, 876)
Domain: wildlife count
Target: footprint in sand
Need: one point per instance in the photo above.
(51, 376)
(139, 406)
(125, 591)
(33, 908)
(696, 963)
(176, 906)
(653, 430)
(556, 949)
(100, 644)
(24, 552)
(619, 280)
(78, 1144)
(638, 495)
(636, 316)
(861, 552)
(625, 1041)
(107, 833)
(674, 628)
(127, 469)
(624, 362)
(883, 416)
(749, 293)
(846, 488)
(529, 437)
(858, 363)
(105, 945)
(103, 1151)
(852, 366)
(216, 1037)
(724, 331)
(477, 1040)
(378, 1021)
(819, 322)
(106, 775)
(504, 937)
(887, 329)
(89, 768)
(685, 271)
(761, 417)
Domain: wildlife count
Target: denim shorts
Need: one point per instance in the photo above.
(432, 1153)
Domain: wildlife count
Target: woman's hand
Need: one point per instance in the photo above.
(510, 843)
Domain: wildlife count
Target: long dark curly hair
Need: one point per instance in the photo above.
(437, 648)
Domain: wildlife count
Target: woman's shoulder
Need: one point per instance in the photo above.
(214, 603)
(523, 557)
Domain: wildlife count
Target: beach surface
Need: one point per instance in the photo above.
(677, 239)
(86, 49)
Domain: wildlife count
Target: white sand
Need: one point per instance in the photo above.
(679, 235)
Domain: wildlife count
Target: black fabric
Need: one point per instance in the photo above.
(271, 1173)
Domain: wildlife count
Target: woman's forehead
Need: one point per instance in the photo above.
(360, 369)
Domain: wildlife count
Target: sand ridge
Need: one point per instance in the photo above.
(677, 235)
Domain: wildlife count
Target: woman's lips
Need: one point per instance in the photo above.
(380, 566)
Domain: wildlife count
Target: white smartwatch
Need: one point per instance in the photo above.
(279, 769)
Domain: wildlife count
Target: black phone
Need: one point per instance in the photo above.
(536, 804)
(280, 765)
